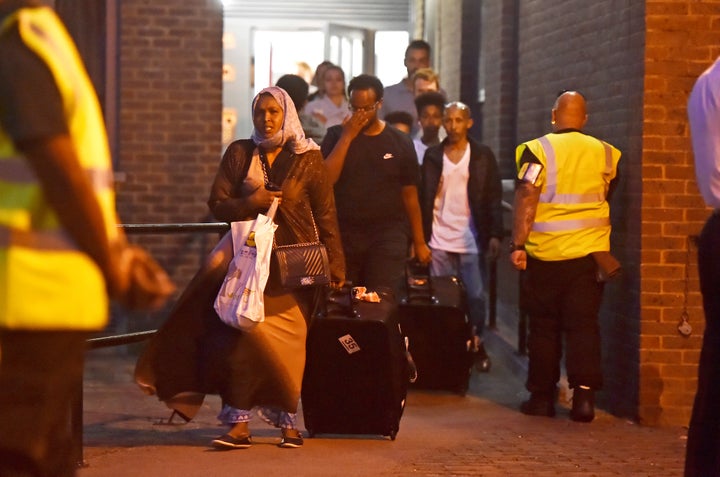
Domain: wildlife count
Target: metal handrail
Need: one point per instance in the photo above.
(219, 227)
(119, 340)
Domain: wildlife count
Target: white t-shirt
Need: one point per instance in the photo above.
(420, 149)
(333, 114)
(453, 229)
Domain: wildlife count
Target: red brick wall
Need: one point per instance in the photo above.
(170, 103)
(682, 39)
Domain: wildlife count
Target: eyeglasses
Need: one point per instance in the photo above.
(355, 109)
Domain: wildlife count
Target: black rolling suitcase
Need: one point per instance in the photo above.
(356, 372)
(434, 317)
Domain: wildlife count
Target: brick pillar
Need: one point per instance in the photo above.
(170, 109)
(682, 39)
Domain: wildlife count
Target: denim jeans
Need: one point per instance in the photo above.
(466, 266)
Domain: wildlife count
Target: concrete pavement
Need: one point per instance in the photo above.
(441, 434)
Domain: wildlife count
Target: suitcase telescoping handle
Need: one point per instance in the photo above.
(418, 283)
(339, 302)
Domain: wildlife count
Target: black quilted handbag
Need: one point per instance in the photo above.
(301, 265)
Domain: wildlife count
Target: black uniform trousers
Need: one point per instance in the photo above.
(703, 444)
(562, 300)
(39, 373)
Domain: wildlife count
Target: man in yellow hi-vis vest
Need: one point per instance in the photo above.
(61, 254)
(561, 239)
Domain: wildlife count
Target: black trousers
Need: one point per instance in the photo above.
(703, 444)
(562, 300)
(39, 373)
(375, 255)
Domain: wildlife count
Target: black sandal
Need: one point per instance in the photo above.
(226, 441)
(290, 442)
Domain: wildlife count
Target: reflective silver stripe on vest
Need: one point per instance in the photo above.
(56, 240)
(550, 196)
(575, 224)
(577, 198)
(551, 173)
(608, 157)
(17, 170)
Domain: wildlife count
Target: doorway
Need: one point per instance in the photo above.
(256, 56)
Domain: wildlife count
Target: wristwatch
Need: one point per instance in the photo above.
(514, 246)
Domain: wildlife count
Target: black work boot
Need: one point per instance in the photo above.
(539, 405)
(482, 360)
(583, 404)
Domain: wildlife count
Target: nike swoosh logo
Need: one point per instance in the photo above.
(388, 155)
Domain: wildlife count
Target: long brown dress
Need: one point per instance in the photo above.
(194, 353)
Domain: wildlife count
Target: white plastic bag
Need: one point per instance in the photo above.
(239, 303)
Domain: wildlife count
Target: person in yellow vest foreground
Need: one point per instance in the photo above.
(61, 254)
(561, 241)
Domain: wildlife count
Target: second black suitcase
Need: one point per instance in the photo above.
(356, 372)
(434, 317)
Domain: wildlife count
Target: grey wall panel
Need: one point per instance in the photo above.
(365, 12)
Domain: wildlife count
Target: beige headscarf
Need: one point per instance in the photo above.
(291, 130)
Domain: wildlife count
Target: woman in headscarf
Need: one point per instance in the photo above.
(261, 370)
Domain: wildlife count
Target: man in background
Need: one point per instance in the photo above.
(401, 96)
(425, 80)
